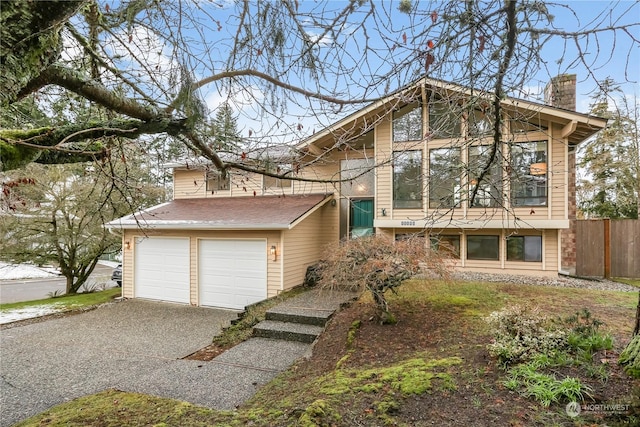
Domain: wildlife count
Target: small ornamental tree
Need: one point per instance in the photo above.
(377, 264)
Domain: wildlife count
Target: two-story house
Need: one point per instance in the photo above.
(423, 161)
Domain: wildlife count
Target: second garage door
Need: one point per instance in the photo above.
(232, 273)
(162, 269)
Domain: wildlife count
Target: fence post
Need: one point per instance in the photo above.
(607, 247)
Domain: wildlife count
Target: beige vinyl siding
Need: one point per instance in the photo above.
(242, 184)
(189, 183)
(551, 250)
(127, 264)
(384, 173)
(328, 170)
(304, 244)
(558, 170)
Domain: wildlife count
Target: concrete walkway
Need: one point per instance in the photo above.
(138, 346)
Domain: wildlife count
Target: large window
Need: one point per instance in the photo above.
(483, 247)
(529, 174)
(444, 119)
(524, 248)
(407, 123)
(480, 123)
(407, 179)
(447, 243)
(489, 190)
(444, 178)
(217, 182)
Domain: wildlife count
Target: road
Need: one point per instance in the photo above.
(33, 289)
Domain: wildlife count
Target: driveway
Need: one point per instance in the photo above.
(131, 345)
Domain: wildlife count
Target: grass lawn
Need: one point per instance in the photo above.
(71, 302)
(632, 282)
(431, 368)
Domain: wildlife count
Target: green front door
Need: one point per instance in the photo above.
(361, 223)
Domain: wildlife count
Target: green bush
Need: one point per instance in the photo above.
(521, 332)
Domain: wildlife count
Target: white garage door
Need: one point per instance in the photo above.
(162, 269)
(232, 273)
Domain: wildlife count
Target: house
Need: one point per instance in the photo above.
(418, 162)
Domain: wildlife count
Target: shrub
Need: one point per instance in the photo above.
(521, 332)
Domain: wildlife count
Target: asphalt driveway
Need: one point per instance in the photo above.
(132, 345)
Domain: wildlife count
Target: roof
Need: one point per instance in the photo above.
(280, 212)
(577, 126)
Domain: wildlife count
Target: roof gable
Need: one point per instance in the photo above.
(578, 126)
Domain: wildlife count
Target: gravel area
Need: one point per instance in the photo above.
(560, 281)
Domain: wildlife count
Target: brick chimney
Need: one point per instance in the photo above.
(560, 92)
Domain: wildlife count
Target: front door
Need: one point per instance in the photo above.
(361, 218)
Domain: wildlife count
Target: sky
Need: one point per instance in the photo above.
(390, 36)
(608, 55)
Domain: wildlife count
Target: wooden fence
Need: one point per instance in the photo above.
(608, 248)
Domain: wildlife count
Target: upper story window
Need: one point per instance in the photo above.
(273, 182)
(489, 189)
(444, 119)
(480, 123)
(217, 182)
(407, 179)
(407, 123)
(529, 174)
(444, 178)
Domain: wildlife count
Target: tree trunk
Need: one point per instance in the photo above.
(70, 289)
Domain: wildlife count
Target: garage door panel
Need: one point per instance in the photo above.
(162, 269)
(232, 273)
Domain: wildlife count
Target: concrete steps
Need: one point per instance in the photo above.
(287, 331)
(301, 318)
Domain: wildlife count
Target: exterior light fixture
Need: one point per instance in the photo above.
(127, 245)
(273, 251)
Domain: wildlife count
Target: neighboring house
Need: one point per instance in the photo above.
(417, 160)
